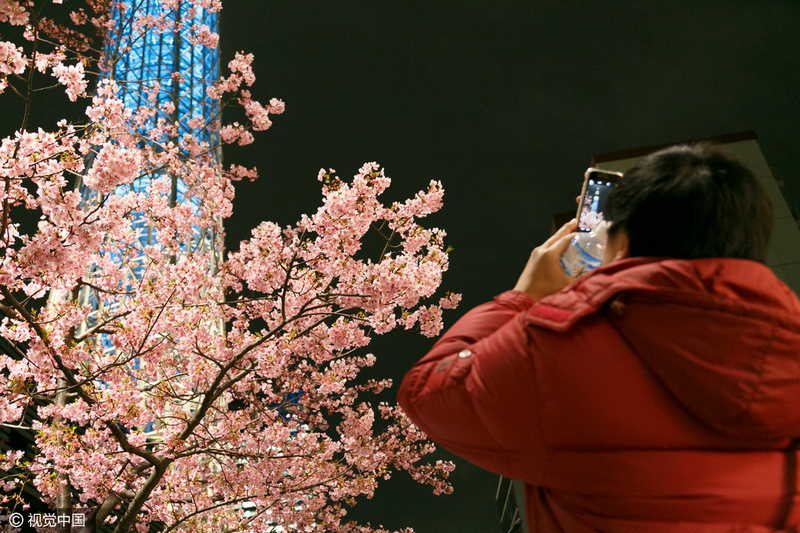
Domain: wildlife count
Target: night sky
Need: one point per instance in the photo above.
(505, 102)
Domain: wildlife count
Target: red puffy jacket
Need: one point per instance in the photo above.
(648, 396)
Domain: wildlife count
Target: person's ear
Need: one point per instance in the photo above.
(623, 250)
(617, 247)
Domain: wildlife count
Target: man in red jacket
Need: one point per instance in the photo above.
(660, 392)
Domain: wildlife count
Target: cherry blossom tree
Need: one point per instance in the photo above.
(191, 393)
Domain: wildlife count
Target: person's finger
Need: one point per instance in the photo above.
(567, 228)
(561, 245)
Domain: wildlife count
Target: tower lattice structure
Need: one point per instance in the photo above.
(177, 70)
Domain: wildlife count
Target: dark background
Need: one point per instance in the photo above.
(505, 102)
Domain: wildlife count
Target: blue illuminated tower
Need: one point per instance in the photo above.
(183, 69)
(175, 67)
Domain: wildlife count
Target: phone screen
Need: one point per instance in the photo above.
(596, 188)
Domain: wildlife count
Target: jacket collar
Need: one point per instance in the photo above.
(715, 281)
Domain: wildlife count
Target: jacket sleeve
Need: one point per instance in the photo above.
(474, 392)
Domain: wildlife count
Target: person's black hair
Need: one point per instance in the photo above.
(692, 201)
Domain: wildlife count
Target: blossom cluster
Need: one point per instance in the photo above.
(171, 384)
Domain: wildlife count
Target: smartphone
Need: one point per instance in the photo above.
(597, 184)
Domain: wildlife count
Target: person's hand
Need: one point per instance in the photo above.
(543, 275)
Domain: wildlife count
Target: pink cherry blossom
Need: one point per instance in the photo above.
(15, 11)
(12, 60)
(72, 77)
(113, 166)
(175, 383)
